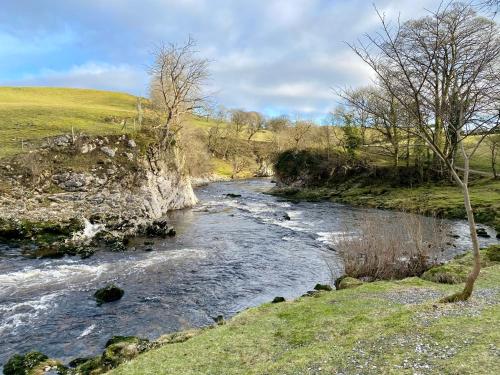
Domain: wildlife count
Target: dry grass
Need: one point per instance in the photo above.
(390, 249)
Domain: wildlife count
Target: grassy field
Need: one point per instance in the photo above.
(392, 327)
(29, 114)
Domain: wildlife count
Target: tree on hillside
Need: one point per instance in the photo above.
(443, 70)
(298, 132)
(239, 120)
(178, 76)
(493, 142)
(255, 123)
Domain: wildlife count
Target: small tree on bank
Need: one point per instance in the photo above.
(443, 70)
(177, 79)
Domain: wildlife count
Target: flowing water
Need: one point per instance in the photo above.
(229, 254)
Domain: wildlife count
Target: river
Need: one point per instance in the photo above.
(229, 254)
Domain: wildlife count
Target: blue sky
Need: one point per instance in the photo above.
(274, 56)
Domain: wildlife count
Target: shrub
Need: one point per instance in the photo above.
(390, 249)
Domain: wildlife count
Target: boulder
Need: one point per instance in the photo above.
(219, 319)
(232, 195)
(110, 293)
(286, 217)
(278, 299)
(324, 287)
(349, 283)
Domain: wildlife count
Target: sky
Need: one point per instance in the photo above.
(272, 56)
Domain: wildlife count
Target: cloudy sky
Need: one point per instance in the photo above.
(274, 56)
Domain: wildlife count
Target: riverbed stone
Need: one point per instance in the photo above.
(110, 293)
(481, 232)
(324, 287)
(233, 195)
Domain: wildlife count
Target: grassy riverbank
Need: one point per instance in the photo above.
(393, 327)
(434, 199)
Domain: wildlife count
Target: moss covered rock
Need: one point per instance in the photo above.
(324, 287)
(29, 364)
(119, 349)
(451, 273)
(492, 253)
(349, 283)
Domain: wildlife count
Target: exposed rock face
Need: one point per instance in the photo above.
(124, 193)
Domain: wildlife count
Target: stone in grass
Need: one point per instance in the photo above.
(325, 287)
(109, 293)
(349, 283)
(278, 299)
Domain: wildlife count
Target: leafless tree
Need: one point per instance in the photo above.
(178, 77)
(298, 131)
(255, 123)
(443, 69)
(238, 120)
(493, 142)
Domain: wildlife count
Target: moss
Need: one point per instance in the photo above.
(492, 253)
(23, 364)
(457, 270)
(349, 283)
(447, 274)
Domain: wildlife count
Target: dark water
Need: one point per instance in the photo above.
(229, 254)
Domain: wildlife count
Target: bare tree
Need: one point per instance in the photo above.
(238, 120)
(177, 79)
(298, 131)
(443, 70)
(493, 142)
(255, 123)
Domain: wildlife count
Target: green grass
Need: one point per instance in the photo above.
(29, 114)
(434, 200)
(367, 330)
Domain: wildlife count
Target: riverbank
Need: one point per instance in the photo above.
(327, 333)
(440, 200)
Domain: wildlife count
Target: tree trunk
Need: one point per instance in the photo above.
(476, 268)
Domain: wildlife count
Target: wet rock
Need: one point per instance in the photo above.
(278, 299)
(232, 195)
(110, 293)
(286, 217)
(108, 151)
(160, 228)
(481, 232)
(325, 287)
(219, 319)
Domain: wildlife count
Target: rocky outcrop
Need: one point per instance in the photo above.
(104, 182)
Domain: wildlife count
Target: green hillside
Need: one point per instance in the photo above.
(29, 114)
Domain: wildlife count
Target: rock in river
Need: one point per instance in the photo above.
(109, 293)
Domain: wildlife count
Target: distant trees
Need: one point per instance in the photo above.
(493, 142)
(443, 72)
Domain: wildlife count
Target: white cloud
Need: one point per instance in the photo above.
(102, 76)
